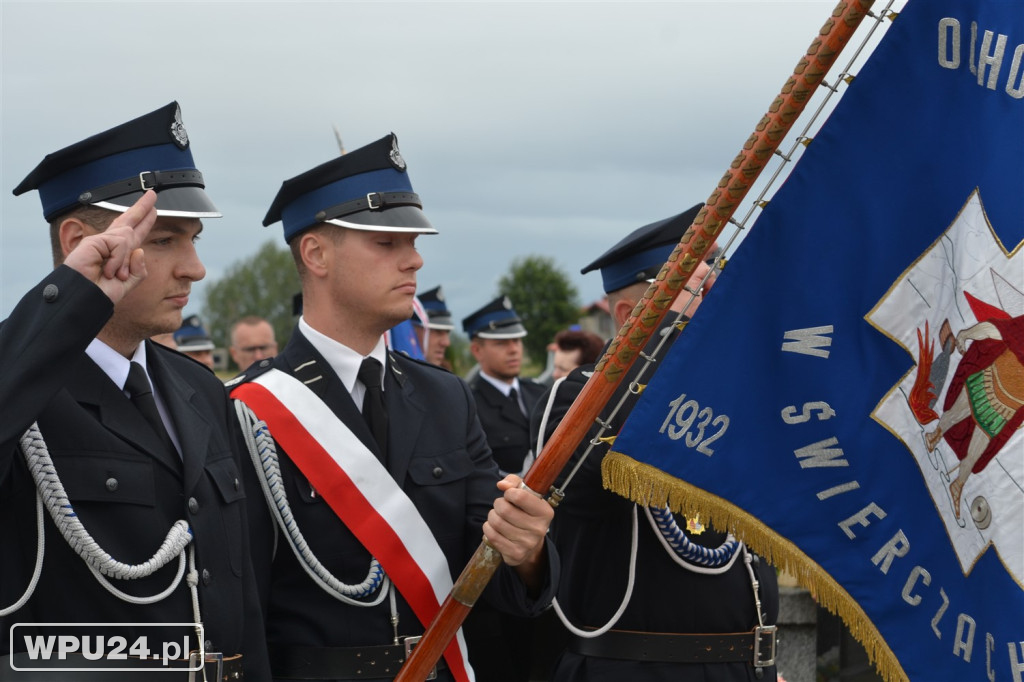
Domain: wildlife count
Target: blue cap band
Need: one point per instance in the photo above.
(301, 213)
(61, 192)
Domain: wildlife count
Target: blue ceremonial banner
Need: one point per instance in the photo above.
(849, 397)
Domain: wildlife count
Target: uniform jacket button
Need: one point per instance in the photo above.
(50, 293)
(237, 484)
(193, 505)
(437, 472)
(206, 577)
(111, 484)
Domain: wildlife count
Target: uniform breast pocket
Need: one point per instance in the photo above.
(228, 481)
(441, 469)
(89, 477)
(438, 487)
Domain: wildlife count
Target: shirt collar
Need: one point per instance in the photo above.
(342, 359)
(501, 385)
(113, 364)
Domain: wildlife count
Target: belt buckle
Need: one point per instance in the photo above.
(199, 675)
(410, 643)
(768, 633)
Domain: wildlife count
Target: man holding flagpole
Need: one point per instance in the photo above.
(644, 599)
(375, 466)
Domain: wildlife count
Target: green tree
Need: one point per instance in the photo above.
(544, 298)
(263, 285)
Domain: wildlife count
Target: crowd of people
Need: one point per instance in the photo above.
(309, 517)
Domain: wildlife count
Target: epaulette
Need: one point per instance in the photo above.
(257, 369)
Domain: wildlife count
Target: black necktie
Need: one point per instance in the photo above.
(141, 394)
(373, 403)
(514, 397)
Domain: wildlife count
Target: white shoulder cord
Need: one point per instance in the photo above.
(547, 413)
(264, 456)
(51, 494)
(625, 598)
(632, 552)
(38, 570)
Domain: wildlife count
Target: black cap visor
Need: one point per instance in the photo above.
(397, 219)
(514, 330)
(174, 202)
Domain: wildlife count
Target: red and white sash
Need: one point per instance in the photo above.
(361, 492)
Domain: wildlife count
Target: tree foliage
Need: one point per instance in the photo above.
(545, 299)
(263, 285)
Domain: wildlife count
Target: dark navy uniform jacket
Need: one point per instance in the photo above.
(125, 487)
(507, 428)
(593, 531)
(438, 455)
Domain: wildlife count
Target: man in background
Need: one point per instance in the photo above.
(500, 644)
(681, 622)
(252, 339)
(503, 399)
(436, 336)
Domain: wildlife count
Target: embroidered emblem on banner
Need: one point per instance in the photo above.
(959, 312)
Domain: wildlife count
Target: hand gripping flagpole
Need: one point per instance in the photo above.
(647, 315)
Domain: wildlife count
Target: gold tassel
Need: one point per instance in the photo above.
(649, 486)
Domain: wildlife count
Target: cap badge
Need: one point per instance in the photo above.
(178, 130)
(506, 303)
(396, 156)
(440, 296)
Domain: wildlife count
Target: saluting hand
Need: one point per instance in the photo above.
(516, 527)
(113, 259)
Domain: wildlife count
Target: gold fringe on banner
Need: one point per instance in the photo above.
(649, 486)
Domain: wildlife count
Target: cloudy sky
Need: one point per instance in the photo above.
(548, 128)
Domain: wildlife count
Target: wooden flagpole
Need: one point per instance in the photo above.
(648, 314)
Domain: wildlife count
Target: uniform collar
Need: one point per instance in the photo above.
(113, 364)
(501, 385)
(342, 359)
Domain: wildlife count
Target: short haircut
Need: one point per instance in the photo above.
(249, 321)
(333, 232)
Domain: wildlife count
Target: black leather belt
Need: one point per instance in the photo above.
(756, 647)
(227, 669)
(293, 662)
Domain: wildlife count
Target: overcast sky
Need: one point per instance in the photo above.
(529, 128)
